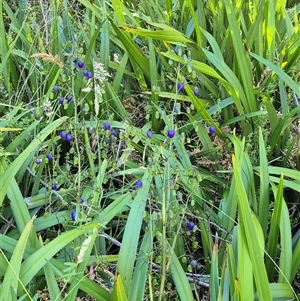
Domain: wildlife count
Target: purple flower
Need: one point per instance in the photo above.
(212, 129)
(113, 133)
(89, 75)
(73, 215)
(80, 64)
(106, 126)
(190, 226)
(54, 187)
(196, 91)
(149, 134)
(55, 89)
(138, 184)
(69, 98)
(49, 157)
(180, 87)
(38, 161)
(60, 100)
(69, 138)
(171, 133)
(85, 72)
(63, 135)
(193, 263)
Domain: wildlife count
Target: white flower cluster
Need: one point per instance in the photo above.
(100, 77)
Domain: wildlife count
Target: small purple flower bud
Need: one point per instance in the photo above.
(171, 133)
(89, 75)
(60, 100)
(180, 87)
(138, 184)
(106, 126)
(85, 72)
(190, 226)
(63, 135)
(38, 161)
(193, 263)
(149, 134)
(54, 187)
(113, 133)
(69, 98)
(80, 64)
(196, 91)
(49, 157)
(69, 138)
(212, 129)
(73, 215)
(55, 89)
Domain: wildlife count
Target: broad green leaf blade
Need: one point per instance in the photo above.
(131, 235)
(250, 232)
(182, 285)
(141, 268)
(264, 185)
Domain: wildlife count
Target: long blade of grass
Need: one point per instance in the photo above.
(244, 65)
(250, 232)
(11, 277)
(128, 250)
(264, 185)
(274, 231)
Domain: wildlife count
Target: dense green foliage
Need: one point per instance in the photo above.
(149, 150)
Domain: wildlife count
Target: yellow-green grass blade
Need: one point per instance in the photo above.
(280, 291)
(18, 206)
(11, 277)
(214, 284)
(109, 212)
(81, 262)
(244, 66)
(154, 83)
(285, 262)
(195, 20)
(269, 30)
(119, 293)
(244, 266)
(250, 235)
(232, 269)
(296, 254)
(283, 76)
(13, 168)
(264, 185)
(131, 235)
(165, 33)
(274, 231)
